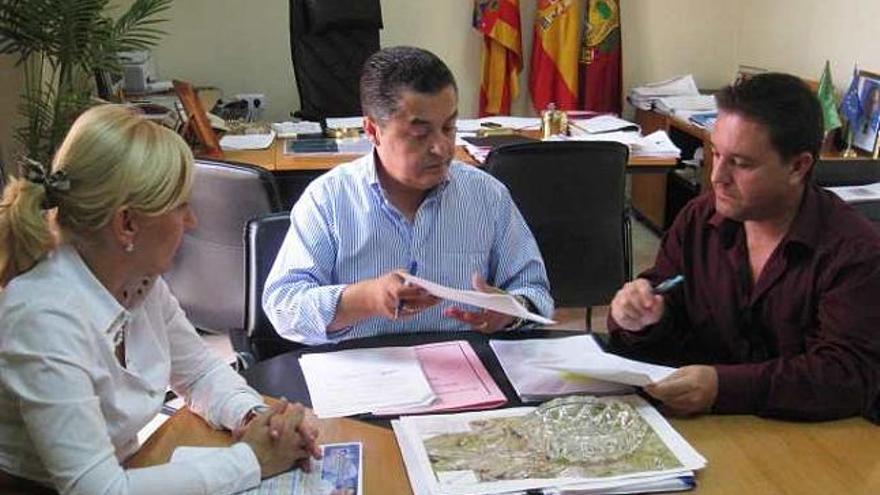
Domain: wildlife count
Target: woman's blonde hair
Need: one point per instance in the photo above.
(112, 157)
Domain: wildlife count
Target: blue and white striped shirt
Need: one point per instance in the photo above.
(343, 230)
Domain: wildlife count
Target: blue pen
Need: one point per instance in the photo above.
(413, 266)
(668, 284)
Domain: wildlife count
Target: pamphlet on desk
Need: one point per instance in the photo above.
(386, 381)
(247, 141)
(490, 452)
(501, 302)
(339, 471)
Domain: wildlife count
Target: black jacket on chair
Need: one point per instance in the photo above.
(329, 42)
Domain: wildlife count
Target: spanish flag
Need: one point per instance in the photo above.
(554, 64)
(498, 21)
(600, 57)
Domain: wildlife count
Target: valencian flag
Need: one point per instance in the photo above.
(553, 77)
(498, 21)
(600, 66)
(825, 93)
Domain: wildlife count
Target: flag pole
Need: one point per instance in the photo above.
(849, 152)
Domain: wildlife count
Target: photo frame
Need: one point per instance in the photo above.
(865, 131)
(196, 120)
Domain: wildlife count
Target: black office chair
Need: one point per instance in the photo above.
(329, 42)
(263, 238)
(572, 195)
(833, 173)
(208, 271)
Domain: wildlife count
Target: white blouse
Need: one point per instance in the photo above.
(69, 413)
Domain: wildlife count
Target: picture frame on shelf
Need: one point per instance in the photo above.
(865, 131)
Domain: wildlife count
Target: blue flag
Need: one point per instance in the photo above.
(851, 105)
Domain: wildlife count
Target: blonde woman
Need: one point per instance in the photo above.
(90, 336)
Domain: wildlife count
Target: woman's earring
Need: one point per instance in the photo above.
(129, 247)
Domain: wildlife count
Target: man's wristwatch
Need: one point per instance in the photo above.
(518, 323)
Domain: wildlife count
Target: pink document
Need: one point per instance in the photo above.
(457, 377)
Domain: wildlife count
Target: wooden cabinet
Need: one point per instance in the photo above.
(649, 191)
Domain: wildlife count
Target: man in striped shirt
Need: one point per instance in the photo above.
(404, 207)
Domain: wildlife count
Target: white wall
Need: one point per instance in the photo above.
(243, 45)
(797, 36)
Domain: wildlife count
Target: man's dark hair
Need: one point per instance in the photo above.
(785, 105)
(390, 71)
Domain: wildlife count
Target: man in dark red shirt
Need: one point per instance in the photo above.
(779, 314)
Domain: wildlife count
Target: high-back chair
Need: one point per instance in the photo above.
(263, 238)
(207, 275)
(572, 197)
(329, 42)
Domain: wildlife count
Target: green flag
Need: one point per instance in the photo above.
(825, 93)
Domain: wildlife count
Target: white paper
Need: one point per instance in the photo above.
(294, 129)
(520, 359)
(501, 303)
(359, 381)
(411, 431)
(610, 367)
(345, 122)
(857, 194)
(508, 121)
(247, 141)
(605, 123)
(656, 144)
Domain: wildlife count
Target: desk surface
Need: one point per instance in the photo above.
(275, 160)
(745, 454)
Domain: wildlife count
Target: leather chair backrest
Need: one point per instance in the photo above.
(572, 197)
(329, 42)
(207, 275)
(263, 239)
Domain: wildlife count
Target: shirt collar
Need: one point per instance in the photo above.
(103, 309)
(801, 231)
(371, 175)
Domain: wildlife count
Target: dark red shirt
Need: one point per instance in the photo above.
(802, 342)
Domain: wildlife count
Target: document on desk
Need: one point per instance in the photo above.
(604, 123)
(457, 377)
(480, 453)
(501, 303)
(609, 367)
(522, 363)
(358, 381)
(857, 194)
(247, 141)
(339, 471)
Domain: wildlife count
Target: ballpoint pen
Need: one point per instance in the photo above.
(412, 271)
(668, 284)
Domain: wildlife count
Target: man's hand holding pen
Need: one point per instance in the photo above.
(639, 304)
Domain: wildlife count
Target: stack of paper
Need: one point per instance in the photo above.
(445, 376)
(296, 129)
(645, 96)
(601, 365)
(685, 106)
(663, 461)
(247, 141)
(358, 381)
(858, 194)
(602, 123)
(522, 363)
(656, 144)
(345, 122)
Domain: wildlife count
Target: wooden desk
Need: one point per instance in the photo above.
(746, 454)
(274, 159)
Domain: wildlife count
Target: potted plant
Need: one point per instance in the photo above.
(60, 44)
